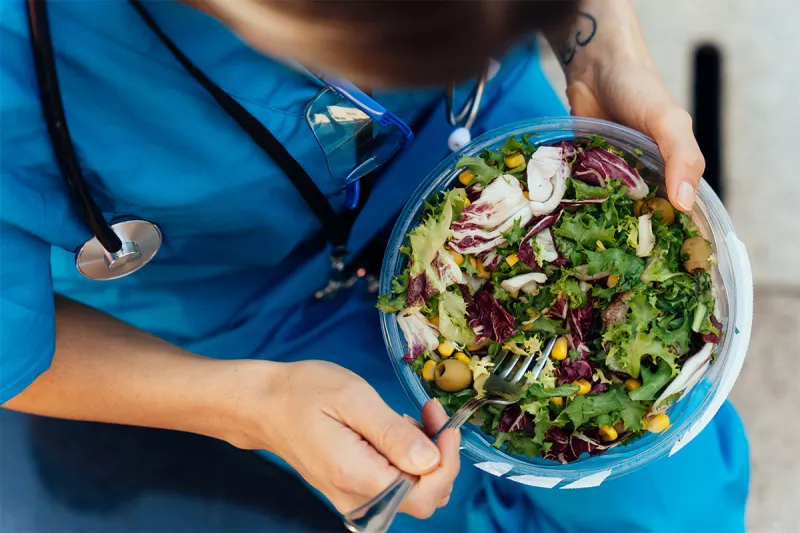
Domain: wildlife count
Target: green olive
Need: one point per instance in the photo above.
(660, 206)
(452, 375)
(696, 253)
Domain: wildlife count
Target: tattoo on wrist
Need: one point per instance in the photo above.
(581, 35)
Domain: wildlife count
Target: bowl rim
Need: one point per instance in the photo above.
(708, 207)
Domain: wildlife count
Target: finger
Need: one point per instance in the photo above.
(434, 488)
(352, 471)
(402, 443)
(433, 417)
(672, 131)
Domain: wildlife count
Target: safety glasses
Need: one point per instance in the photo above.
(356, 134)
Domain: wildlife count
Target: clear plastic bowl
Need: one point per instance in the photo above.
(732, 279)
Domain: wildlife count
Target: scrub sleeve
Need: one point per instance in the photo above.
(157, 150)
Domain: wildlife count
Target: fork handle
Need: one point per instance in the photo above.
(376, 515)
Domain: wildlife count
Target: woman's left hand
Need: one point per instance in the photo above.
(611, 75)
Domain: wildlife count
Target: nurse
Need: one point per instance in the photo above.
(220, 333)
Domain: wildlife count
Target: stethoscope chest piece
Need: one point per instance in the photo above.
(140, 242)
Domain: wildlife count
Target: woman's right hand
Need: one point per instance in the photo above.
(336, 431)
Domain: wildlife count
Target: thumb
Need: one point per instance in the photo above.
(672, 131)
(404, 444)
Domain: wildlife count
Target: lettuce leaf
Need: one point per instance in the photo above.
(652, 382)
(429, 237)
(453, 319)
(585, 229)
(484, 173)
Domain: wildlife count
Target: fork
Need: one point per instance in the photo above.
(504, 386)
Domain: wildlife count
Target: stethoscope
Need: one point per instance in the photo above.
(122, 247)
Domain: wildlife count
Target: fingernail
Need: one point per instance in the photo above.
(424, 454)
(413, 421)
(686, 195)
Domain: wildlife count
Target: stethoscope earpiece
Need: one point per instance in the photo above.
(140, 242)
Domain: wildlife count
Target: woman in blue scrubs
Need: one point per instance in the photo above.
(221, 333)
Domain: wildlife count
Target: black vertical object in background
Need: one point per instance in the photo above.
(707, 100)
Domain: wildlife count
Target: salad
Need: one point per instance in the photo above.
(565, 240)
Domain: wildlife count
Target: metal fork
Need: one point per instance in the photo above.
(504, 386)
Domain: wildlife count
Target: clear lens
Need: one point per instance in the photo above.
(354, 144)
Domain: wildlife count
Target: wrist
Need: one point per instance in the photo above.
(238, 402)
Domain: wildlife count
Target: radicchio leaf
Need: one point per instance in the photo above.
(440, 274)
(570, 371)
(488, 318)
(419, 333)
(711, 337)
(490, 259)
(599, 388)
(597, 165)
(547, 174)
(474, 191)
(580, 322)
(568, 148)
(482, 223)
(514, 419)
(537, 224)
(558, 310)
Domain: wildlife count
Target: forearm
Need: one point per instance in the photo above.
(107, 371)
(604, 30)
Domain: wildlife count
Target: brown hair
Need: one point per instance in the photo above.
(392, 42)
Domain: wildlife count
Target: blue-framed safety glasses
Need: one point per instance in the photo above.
(356, 134)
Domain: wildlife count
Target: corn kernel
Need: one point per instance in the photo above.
(608, 433)
(473, 262)
(429, 370)
(514, 160)
(461, 356)
(434, 320)
(457, 257)
(527, 195)
(558, 401)
(467, 203)
(632, 384)
(612, 281)
(512, 260)
(600, 246)
(446, 348)
(559, 352)
(466, 177)
(526, 326)
(658, 423)
(482, 272)
(584, 387)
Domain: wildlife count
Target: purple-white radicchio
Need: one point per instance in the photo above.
(598, 165)
(570, 371)
(490, 259)
(527, 283)
(483, 222)
(514, 419)
(711, 337)
(419, 333)
(488, 318)
(538, 224)
(440, 274)
(558, 310)
(580, 322)
(474, 191)
(547, 174)
(569, 148)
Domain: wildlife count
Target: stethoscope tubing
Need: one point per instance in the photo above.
(53, 109)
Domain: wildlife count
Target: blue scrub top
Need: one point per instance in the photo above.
(236, 270)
